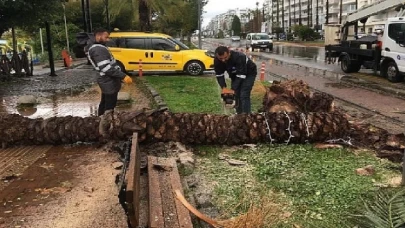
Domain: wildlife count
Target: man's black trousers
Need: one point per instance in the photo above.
(242, 95)
(108, 102)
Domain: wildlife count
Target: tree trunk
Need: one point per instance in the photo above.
(299, 12)
(144, 16)
(282, 16)
(155, 126)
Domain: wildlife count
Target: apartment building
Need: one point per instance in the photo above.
(313, 12)
(223, 21)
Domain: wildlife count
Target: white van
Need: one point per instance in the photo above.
(260, 41)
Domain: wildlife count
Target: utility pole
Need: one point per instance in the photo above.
(257, 17)
(317, 16)
(66, 29)
(107, 14)
(295, 18)
(199, 24)
(88, 15)
(340, 13)
(327, 12)
(84, 16)
(356, 26)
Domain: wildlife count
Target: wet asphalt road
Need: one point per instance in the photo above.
(304, 56)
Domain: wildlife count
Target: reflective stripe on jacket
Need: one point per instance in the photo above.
(110, 74)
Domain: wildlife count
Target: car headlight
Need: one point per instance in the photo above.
(210, 54)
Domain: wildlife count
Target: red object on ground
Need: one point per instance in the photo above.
(67, 60)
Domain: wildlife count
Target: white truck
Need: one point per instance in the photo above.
(384, 53)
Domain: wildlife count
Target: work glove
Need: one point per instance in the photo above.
(127, 79)
(227, 91)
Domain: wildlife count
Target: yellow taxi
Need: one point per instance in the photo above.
(157, 53)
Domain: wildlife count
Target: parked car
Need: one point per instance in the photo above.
(259, 40)
(158, 53)
(235, 38)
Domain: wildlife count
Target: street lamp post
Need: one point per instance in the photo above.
(199, 24)
(107, 14)
(66, 29)
(257, 17)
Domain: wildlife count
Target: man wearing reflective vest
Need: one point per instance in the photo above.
(109, 79)
(242, 72)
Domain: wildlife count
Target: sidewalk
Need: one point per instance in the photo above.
(43, 69)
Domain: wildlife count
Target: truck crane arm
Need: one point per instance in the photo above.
(372, 9)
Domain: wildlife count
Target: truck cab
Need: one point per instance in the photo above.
(384, 52)
(393, 49)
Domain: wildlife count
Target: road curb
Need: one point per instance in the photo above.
(156, 98)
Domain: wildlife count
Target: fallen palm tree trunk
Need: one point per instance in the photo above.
(182, 127)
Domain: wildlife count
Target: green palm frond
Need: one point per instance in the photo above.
(387, 211)
(169, 9)
(116, 6)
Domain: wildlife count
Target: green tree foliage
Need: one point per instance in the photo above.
(236, 26)
(305, 33)
(220, 34)
(26, 13)
(178, 18)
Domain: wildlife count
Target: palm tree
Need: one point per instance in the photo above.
(278, 14)
(295, 19)
(192, 128)
(317, 16)
(308, 8)
(299, 9)
(144, 9)
(282, 15)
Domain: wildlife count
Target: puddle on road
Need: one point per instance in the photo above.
(83, 105)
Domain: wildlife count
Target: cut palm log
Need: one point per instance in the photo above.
(189, 128)
(293, 95)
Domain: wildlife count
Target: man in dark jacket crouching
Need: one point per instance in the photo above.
(242, 72)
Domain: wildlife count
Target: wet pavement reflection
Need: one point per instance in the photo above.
(82, 105)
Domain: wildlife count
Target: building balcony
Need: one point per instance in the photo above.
(333, 20)
(334, 10)
(348, 1)
(333, 2)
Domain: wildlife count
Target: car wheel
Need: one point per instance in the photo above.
(121, 67)
(194, 68)
(392, 72)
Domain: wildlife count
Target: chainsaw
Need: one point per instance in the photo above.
(228, 98)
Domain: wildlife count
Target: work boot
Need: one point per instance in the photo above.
(106, 121)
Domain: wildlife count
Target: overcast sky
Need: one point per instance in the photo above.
(215, 7)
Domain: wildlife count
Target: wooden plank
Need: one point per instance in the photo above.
(182, 212)
(156, 219)
(133, 182)
(168, 205)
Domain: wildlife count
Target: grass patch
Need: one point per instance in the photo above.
(319, 188)
(188, 94)
(197, 94)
